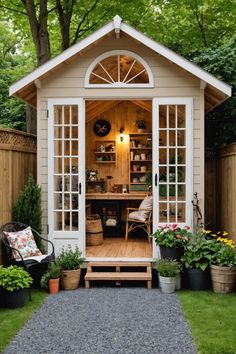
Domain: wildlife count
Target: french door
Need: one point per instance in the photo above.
(66, 171)
(172, 162)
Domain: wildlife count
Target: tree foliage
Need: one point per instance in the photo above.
(201, 30)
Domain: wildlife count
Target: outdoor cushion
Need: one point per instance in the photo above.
(24, 242)
(138, 215)
(146, 204)
(35, 258)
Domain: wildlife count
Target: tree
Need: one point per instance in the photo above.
(193, 28)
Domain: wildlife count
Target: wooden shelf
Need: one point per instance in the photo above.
(140, 148)
(140, 160)
(111, 161)
(105, 152)
(140, 153)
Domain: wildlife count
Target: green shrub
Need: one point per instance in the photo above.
(27, 207)
(198, 252)
(53, 272)
(168, 267)
(70, 259)
(14, 278)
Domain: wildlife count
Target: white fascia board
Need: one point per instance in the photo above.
(37, 73)
(177, 59)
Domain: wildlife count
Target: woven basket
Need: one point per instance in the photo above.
(70, 279)
(94, 231)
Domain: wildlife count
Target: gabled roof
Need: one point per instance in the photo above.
(216, 91)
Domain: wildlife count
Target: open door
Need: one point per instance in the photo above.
(66, 173)
(172, 162)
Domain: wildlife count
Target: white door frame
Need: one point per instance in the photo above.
(188, 102)
(63, 238)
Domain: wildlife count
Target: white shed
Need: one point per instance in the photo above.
(91, 151)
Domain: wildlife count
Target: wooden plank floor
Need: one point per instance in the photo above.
(117, 247)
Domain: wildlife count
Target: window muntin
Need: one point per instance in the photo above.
(119, 69)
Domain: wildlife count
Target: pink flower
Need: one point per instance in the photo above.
(185, 238)
(187, 227)
(178, 236)
(171, 229)
(174, 226)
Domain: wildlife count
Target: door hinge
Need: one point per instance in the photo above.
(80, 188)
(47, 113)
(47, 229)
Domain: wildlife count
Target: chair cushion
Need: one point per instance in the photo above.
(24, 242)
(38, 259)
(146, 204)
(137, 215)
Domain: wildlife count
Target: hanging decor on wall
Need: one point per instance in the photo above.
(101, 127)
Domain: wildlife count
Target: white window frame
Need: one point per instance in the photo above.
(118, 84)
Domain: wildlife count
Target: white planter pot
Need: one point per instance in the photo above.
(178, 282)
(167, 285)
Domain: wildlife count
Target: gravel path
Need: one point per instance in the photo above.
(106, 321)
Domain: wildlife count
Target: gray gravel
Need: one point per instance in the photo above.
(106, 321)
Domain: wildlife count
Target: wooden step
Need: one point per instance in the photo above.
(119, 264)
(117, 275)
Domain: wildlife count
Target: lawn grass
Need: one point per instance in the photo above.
(212, 319)
(11, 320)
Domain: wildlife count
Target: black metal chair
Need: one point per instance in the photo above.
(33, 266)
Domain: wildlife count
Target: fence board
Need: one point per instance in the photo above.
(17, 161)
(220, 187)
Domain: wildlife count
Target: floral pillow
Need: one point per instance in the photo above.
(24, 242)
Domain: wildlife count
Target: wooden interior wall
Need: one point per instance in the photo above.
(17, 160)
(220, 187)
(123, 114)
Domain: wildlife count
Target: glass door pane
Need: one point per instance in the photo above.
(172, 161)
(66, 167)
(172, 167)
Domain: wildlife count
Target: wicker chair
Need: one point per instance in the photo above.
(140, 218)
(35, 265)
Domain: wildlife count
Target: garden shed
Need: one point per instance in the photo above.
(118, 112)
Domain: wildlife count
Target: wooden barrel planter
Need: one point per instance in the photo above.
(223, 279)
(94, 230)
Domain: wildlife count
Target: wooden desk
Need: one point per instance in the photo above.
(116, 196)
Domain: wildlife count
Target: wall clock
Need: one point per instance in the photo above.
(101, 127)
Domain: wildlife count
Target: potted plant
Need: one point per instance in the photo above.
(14, 280)
(140, 123)
(171, 240)
(51, 278)
(196, 260)
(70, 261)
(223, 265)
(168, 269)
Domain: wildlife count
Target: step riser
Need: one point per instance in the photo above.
(118, 275)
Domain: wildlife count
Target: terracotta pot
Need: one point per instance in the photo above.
(223, 279)
(53, 285)
(70, 279)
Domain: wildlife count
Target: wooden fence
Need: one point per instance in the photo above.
(220, 190)
(17, 161)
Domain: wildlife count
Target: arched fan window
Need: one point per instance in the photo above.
(119, 69)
